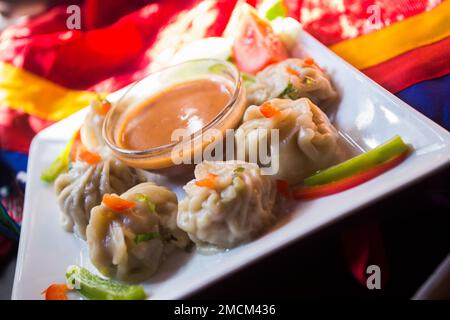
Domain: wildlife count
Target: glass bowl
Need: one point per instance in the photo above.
(160, 157)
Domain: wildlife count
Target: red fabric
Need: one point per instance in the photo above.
(226, 9)
(82, 59)
(333, 21)
(109, 53)
(98, 15)
(412, 67)
(21, 126)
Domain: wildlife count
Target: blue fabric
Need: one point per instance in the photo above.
(15, 160)
(11, 163)
(432, 98)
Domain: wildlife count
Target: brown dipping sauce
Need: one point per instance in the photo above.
(190, 105)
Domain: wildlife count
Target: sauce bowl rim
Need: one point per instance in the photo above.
(237, 84)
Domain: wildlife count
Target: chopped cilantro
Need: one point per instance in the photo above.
(146, 237)
(248, 79)
(239, 170)
(144, 198)
(290, 92)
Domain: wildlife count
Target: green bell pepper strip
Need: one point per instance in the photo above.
(360, 163)
(58, 165)
(96, 288)
(61, 163)
(144, 198)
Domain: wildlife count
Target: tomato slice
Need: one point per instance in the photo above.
(305, 193)
(56, 292)
(256, 45)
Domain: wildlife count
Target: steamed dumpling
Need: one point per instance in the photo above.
(91, 130)
(130, 245)
(234, 209)
(307, 139)
(83, 186)
(292, 79)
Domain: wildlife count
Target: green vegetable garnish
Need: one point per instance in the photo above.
(146, 237)
(362, 162)
(144, 198)
(248, 79)
(273, 9)
(58, 165)
(217, 68)
(290, 92)
(239, 170)
(309, 81)
(97, 288)
(101, 96)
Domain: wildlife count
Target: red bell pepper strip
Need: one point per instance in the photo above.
(304, 193)
(283, 188)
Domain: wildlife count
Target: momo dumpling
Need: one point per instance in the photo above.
(83, 186)
(227, 203)
(292, 79)
(91, 130)
(307, 140)
(130, 243)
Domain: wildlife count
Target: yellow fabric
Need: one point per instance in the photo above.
(22, 90)
(376, 47)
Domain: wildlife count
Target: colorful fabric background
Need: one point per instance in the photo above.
(48, 72)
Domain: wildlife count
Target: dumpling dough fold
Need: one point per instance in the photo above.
(83, 186)
(130, 245)
(292, 79)
(307, 140)
(235, 210)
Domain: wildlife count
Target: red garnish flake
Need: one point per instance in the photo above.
(309, 61)
(283, 188)
(116, 203)
(102, 107)
(208, 182)
(105, 107)
(89, 157)
(268, 110)
(56, 292)
(292, 71)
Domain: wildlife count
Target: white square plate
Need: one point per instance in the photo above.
(367, 114)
